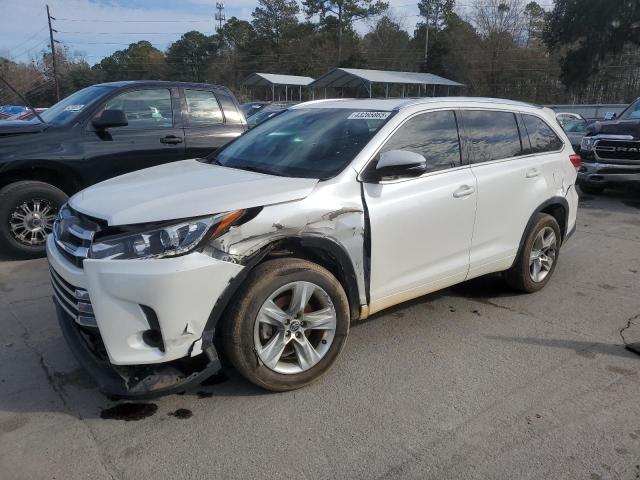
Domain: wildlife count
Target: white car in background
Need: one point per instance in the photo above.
(333, 210)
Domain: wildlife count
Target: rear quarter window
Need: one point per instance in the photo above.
(541, 135)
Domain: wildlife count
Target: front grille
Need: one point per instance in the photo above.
(73, 234)
(75, 301)
(618, 150)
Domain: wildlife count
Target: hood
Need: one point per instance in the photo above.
(185, 189)
(615, 127)
(14, 127)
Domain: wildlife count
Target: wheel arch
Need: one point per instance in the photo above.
(63, 178)
(558, 208)
(320, 250)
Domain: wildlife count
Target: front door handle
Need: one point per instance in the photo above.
(534, 172)
(171, 140)
(463, 191)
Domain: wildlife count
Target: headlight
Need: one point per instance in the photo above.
(587, 144)
(164, 241)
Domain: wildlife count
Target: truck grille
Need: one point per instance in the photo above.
(75, 301)
(616, 151)
(73, 234)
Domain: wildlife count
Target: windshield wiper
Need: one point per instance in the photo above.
(26, 102)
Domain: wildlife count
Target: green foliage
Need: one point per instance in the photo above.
(275, 19)
(343, 13)
(589, 32)
(140, 60)
(495, 49)
(187, 58)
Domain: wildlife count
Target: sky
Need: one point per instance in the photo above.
(96, 28)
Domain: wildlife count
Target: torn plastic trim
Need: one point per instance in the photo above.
(136, 381)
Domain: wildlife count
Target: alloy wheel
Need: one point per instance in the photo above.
(295, 328)
(31, 222)
(543, 254)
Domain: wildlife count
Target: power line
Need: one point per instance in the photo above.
(28, 39)
(129, 21)
(123, 33)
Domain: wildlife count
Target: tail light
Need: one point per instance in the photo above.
(576, 160)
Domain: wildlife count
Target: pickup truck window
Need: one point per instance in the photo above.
(542, 137)
(70, 107)
(203, 108)
(632, 112)
(309, 143)
(149, 108)
(432, 135)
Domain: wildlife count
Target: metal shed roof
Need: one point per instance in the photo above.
(269, 79)
(350, 77)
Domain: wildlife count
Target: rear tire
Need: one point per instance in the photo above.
(590, 189)
(27, 211)
(538, 257)
(247, 331)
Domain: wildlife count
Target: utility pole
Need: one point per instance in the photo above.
(426, 39)
(53, 54)
(220, 17)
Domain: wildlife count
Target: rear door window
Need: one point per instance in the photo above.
(433, 135)
(203, 108)
(542, 137)
(492, 135)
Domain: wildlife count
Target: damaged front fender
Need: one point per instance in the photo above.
(331, 219)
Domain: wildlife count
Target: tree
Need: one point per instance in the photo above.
(187, 57)
(535, 16)
(274, 18)
(344, 11)
(388, 47)
(435, 14)
(588, 32)
(140, 60)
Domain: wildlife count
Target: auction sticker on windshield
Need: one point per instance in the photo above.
(368, 115)
(73, 108)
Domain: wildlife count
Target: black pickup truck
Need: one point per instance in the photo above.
(97, 133)
(610, 152)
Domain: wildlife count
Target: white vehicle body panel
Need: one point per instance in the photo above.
(184, 189)
(420, 235)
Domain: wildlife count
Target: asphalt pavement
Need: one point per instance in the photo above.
(475, 381)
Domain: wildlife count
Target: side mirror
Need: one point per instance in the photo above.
(400, 163)
(110, 119)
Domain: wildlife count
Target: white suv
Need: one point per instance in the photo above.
(264, 253)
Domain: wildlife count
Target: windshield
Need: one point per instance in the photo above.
(632, 112)
(69, 108)
(310, 143)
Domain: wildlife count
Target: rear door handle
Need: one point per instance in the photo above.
(171, 139)
(463, 191)
(534, 172)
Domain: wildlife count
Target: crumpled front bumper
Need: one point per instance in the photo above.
(172, 298)
(135, 381)
(594, 173)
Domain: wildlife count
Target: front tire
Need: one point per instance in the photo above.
(288, 325)
(538, 258)
(27, 212)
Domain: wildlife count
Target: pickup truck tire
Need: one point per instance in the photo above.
(27, 211)
(538, 256)
(283, 350)
(590, 189)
